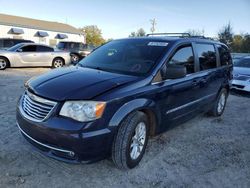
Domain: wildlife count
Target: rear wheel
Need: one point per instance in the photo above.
(75, 58)
(220, 103)
(57, 62)
(131, 140)
(4, 63)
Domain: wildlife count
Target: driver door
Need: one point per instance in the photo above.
(175, 98)
(28, 55)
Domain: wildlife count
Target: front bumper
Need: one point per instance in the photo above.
(241, 85)
(66, 140)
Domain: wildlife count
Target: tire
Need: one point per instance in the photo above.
(125, 153)
(220, 103)
(75, 58)
(4, 63)
(58, 62)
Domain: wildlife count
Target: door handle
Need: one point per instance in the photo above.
(195, 82)
(204, 80)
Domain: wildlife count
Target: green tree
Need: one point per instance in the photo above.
(93, 35)
(139, 33)
(225, 35)
(246, 44)
(237, 43)
(194, 32)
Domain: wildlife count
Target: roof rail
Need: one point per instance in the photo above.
(170, 34)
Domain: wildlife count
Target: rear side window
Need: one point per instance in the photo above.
(184, 56)
(225, 57)
(44, 49)
(207, 56)
(61, 45)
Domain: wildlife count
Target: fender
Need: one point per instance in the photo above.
(129, 107)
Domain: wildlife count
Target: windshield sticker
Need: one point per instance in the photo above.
(157, 44)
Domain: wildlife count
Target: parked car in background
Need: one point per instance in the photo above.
(122, 93)
(77, 50)
(6, 43)
(241, 74)
(237, 56)
(33, 55)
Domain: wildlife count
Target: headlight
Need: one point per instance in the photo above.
(83, 110)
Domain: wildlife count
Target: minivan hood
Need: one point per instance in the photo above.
(76, 83)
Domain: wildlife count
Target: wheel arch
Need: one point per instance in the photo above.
(1, 56)
(59, 57)
(142, 105)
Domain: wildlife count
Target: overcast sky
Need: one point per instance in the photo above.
(118, 18)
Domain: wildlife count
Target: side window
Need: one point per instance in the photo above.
(184, 56)
(29, 48)
(225, 57)
(44, 49)
(207, 56)
(8, 43)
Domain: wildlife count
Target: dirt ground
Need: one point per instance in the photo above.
(204, 152)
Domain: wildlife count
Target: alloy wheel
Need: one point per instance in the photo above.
(221, 103)
(58, 63)
(138, 141)
(3, 64)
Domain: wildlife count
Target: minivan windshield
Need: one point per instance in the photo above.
(243, 63)
(132, 56)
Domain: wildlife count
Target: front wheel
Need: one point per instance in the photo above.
(57, 62)
(4, 63)
(220, 103)
(131, 140)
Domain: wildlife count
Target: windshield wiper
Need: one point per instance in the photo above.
(97, 68)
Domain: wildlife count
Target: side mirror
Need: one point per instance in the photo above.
(173, 72)
(19, 50)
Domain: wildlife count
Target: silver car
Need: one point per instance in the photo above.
(241, 74)
(33, 55)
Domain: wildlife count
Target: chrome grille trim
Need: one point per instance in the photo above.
(35, 108)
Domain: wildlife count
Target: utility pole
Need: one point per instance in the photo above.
(153, 23)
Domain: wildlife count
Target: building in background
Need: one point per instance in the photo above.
(39, 31)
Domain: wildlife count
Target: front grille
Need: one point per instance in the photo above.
(36, 108)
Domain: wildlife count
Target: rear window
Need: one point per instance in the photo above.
(225, 57)
(207, 56)
(61, 45)
(44, 49)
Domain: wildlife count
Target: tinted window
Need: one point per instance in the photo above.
(44, 49)
(30, 48)
(61, 45)
(134, 57)
(225, 57)
(184, 56)
(8, 43)
(243, 63)
(207, 56)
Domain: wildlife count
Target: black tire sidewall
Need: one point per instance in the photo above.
(130, 162)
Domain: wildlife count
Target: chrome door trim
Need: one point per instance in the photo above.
(190, 103)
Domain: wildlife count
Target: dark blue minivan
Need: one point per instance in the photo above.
(125, 91)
